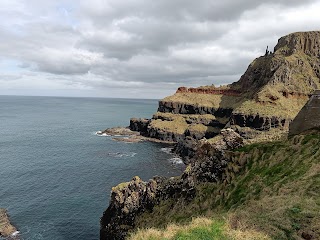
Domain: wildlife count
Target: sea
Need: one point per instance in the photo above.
(56, 174)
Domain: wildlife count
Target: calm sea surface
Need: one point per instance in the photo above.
(56, 174)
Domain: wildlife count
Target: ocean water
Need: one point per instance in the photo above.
(56, 174)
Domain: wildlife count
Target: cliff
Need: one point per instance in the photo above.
(267, 98)
(271, 188)
(131, 199)
(208, 124)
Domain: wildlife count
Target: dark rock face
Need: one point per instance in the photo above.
(307, 42)
(136, 197)
(258, 122)
(181, 108)
(298, 76)
(186, 149)
(164, 135)
(308, 117)
(139, 125)
(128, 200)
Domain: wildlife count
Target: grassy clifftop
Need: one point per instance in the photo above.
(269, 191)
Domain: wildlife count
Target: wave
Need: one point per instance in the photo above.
(176, 160)
(100, 134)
(15, 234)
(167, 150)
(121, 154)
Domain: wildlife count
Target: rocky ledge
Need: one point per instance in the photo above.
(125, 134)
(7, 230)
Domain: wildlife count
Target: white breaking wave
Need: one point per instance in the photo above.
(122, 154)
(176, 160)
(167, 150)
(16, 233)
(99, 133)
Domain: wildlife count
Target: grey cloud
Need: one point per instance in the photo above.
(133, 44)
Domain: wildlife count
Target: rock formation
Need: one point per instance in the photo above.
(268, 96)
(7, 230)
(129, 200)
(309, 116)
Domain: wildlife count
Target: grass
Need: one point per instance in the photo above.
(204, 100)
(178, 125)
(188, 117)
(200, 228)
(202, 128)
(270, 188)
(284, 107)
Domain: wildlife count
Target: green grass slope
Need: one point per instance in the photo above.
(269, 191)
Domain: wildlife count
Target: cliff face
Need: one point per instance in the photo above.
(131, 199)
(291, 71)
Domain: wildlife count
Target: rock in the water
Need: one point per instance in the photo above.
(7, 230)
(117, 131)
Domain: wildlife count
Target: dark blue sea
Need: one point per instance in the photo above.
(56, 174)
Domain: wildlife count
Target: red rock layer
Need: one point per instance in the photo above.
(214, 91)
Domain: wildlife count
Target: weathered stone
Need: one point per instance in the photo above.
(117, 131)
(7, 230)
(309, 116)
(139, 125)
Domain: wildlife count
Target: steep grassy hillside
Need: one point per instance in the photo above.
(269, 191)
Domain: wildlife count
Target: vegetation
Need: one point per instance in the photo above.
(178, 125)
(271, 189)
(199, 229)
(204, 100)
(187, 117)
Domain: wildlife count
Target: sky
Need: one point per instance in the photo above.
(138, 48)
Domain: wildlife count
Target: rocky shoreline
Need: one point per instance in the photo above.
(7, 230)
(130, 200)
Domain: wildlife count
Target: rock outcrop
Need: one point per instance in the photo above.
(7, 230)
(129, 200)
(309, 116)
(139, 125)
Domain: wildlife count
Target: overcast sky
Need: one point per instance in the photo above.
(138, 48)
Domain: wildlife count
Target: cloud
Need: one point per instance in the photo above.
(133, 46)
